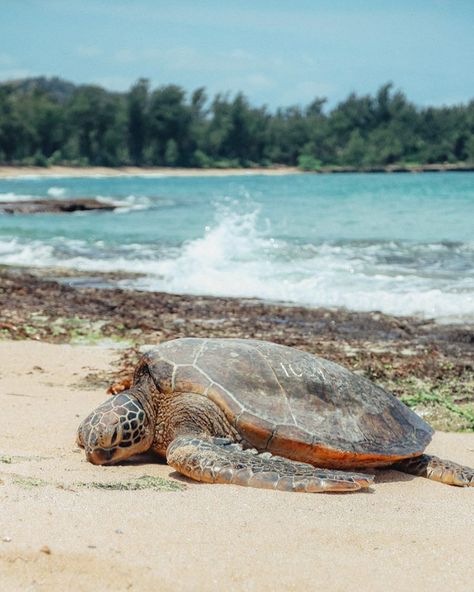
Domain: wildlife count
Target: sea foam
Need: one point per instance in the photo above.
(234, 258)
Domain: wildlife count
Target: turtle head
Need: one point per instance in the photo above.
(116, 430)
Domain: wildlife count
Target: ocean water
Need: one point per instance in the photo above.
(399, 243)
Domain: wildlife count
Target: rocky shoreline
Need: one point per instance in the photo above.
(54, 206)
(431, 366)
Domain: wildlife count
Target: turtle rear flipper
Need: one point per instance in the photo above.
(219, 460)
(437, 469)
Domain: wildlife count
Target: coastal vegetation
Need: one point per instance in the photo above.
(53, 122)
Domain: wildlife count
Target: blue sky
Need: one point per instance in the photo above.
(277, 52)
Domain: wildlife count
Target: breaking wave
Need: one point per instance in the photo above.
(238, 255)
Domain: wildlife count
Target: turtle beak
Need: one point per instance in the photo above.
(100, 456)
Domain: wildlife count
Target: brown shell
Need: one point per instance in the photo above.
(293, 403)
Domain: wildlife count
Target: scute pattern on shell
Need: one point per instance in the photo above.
(294, 403)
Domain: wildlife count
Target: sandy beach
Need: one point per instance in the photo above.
(65, 171)
(66, 524)
(61, 529)
(275, 170)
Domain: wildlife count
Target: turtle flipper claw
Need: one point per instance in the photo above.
(213, 461)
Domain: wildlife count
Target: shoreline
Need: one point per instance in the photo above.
(429, 365)
(7, 172)
(13, 172)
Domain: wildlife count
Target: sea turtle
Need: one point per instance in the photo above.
(259, 414)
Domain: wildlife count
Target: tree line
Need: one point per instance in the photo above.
(51, 121)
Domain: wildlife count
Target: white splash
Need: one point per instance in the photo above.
(236, 257)
(56, 192)
(13, 197)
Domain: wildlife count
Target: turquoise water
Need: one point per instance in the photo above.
(402, 244)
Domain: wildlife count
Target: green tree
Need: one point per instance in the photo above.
(171, 153)
(98, 120)
(354, 153)
(137, 104)
(170, 119)
(46, 120)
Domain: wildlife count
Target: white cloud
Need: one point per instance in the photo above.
(264, 79)
(248, 83)
(183, 58)
(152, 54)
(306, 91)
(241, 54)
(311, 88)
(254, 85)
(114, 83)
(190, 59)
(178, 57)
(308, 60)
(258, 82)
(88, 51)
(126, 56)
(6, 59)
(15, 73)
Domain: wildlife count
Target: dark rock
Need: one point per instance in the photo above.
(49, 206)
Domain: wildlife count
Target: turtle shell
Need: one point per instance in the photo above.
(292, 403)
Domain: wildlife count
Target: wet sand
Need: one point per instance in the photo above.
(58, 530)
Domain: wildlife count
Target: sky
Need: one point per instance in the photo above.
(278, 52)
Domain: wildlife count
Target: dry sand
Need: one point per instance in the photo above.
(93, 171)
(409, 534)
(65, 171)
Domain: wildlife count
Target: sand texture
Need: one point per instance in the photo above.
(60, 530)
(8, 171)
(67, 171)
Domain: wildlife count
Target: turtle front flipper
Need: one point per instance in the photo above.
(437, 469)
(219, 460)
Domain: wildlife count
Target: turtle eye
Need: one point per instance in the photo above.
(114, 438)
